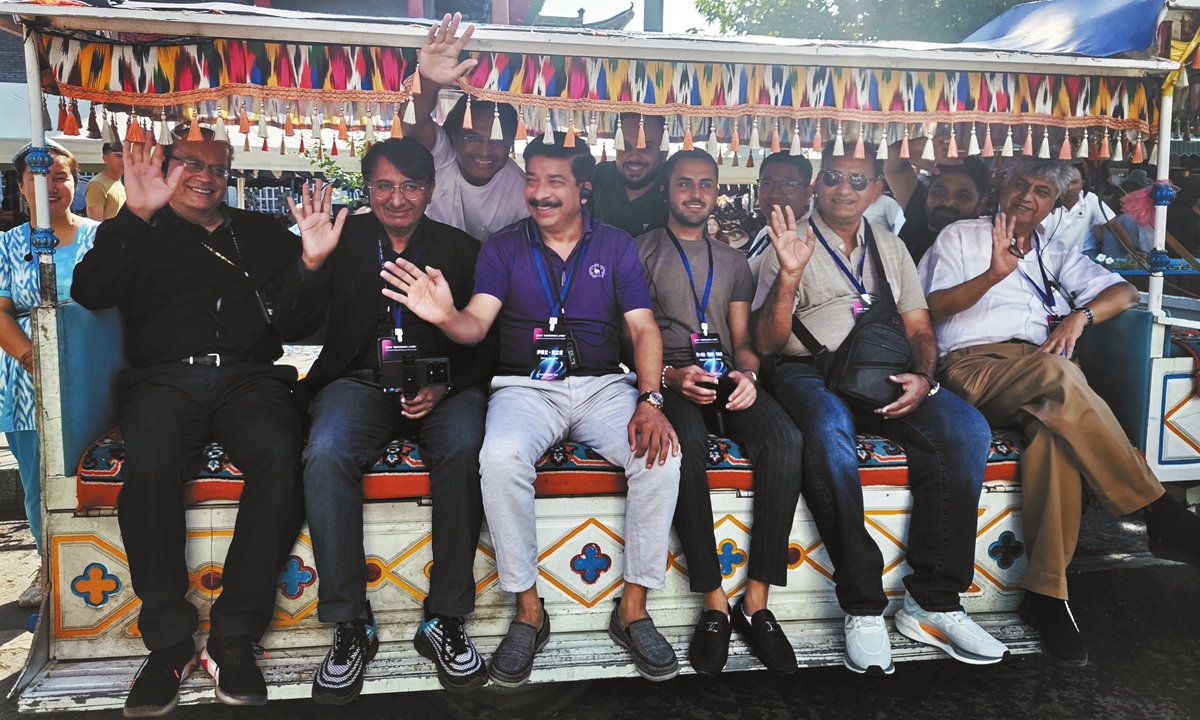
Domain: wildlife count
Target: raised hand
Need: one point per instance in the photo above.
(793, 251)
(318, 233)
(427, 294)
(1004, 262)
(438, 59)
(146, 188)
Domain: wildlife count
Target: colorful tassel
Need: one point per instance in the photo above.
(882, 152)
(62, 115)
(989, 150)
(289, 127)
(244, 121)
(641, 136)
(165, 138)
(75, 118)
(522, 130)
(219, 132)
(72, 125)
(750, 159)
(714, 146)
(952, 148)
(1105, 147)
(1139, 152)
(775, 138)
(1118, 154)
(410, 114)
(904, 150)
(194, 134)
(603, 154)
(46, 116)
(416, 81)
(1044, 150)
(1153, 159)
(735, 142)
(1084, 146)
(302, 148)
(548, 130)
(569, 140)
(619, 137)
(93, 127)
(133, 133)
(397, 126)
(665, 144)
(1064, 152)
(755, 143)
(795, 148)
(593, 131)
(860, 150)
(265, 147)
(333, 151)
(1027, 148)
(839, 144)
(369, 130)
(973, 143)
(282, 145)
(689, 142)
(467, 122)
(245, 138)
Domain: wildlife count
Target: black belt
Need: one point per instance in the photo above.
(794, 360)
(368, 375)
(216, 359)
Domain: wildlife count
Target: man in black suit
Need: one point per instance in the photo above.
(354, 416)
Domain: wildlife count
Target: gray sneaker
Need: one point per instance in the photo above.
(513, 660)
(652, 654)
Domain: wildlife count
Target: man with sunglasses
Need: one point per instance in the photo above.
(479, 186)
(784, 180)
(195, 281)
(821, 276)
(355, 415)
(1009, 305)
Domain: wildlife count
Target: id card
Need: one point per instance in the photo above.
(1052, 322)
(859, 308)
(708, 354)
(555, 355)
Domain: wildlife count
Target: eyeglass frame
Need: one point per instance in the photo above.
(826, 175)
(787, 186)
(220, 172)
(421, 189)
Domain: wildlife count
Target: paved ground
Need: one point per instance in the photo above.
(1139, 615)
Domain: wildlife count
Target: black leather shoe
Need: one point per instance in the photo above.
(1173, 531)
(766, 639)
(1060, 635)
(710, 643)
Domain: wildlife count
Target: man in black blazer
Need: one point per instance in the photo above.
(353, 418)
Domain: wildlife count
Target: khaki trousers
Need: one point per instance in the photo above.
(1072, 434)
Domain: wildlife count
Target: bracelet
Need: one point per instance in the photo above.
(662, 381)
(1086, 311)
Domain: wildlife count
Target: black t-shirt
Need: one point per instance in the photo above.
(918, 237)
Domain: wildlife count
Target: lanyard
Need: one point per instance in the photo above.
(396, 312)
(1045, 292)
(701, 307)
(236, 247)
(837, 260)
(557, 304)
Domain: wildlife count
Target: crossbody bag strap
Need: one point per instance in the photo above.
(885, 290)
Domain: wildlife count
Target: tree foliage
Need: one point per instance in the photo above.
(925, 20)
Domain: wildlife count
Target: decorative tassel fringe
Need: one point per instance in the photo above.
(548, 131)
(165, 138)
(220, 134)
(522, 131)
(904, 149)
(860, 151)
(302, 148)
(410, 114)
(795, 148)
(194, 130)
(497, 130)
(244, 120)
(369, 131)
(665, 145)
(775, 139)
(1139, 152)
(714, 147)
(397, 126)
(1153, 159)
(735, 142)
(333, 151)
(755, 143)
(62, 116)
(603, 153)
(134, 133)
(569, 140)
(1105, 147)
(1044, 150)
(927, 152)
(1007, 150)
(593, 131)
(973, 143)
(265, 148)
(416, 81)
(641, 136)
(245, 138)
(1084, 146)
(46, 116)
(1064, 152)
(989, 150)
(882, 152)
(952, 149)
(467, 122)
(93, 127)
(619, 137)
(689, 142)
(1118, 154)
(1027, 148)
(282, 145)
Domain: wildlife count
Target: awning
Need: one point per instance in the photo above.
(1094, 28)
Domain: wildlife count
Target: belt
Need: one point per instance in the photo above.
(794, 360)
(368, 375)
(215, 359)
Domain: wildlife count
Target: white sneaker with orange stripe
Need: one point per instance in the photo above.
(954, 632)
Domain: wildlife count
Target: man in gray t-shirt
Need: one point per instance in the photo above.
(701, 291)
(823, 275)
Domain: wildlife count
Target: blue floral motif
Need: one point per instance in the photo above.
(295, 577)
(96, 585)
(730, 557)
(591, 563)
(1006, 550)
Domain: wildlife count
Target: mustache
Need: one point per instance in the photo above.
(544, 204)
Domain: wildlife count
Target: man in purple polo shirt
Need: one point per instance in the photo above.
(561, 286)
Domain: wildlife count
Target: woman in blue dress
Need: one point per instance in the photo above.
(19, 292)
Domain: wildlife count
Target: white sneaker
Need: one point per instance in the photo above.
(868, 647)
(33, 595)
(954, 632)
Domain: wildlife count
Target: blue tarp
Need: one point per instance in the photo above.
(1095, 28)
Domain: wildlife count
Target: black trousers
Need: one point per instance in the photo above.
(352, 422)
(774, 445)
(169, 413)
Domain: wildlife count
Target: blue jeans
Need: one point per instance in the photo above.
(24, 446)
(352, 422)
(947, 443)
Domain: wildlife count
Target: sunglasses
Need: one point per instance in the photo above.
(858, 181)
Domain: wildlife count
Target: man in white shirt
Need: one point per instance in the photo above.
(1008, 307)
(784, 181)
(1080, 220)
(886, 213)
(480, 189)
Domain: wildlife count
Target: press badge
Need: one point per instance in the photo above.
(555, 355)
(397, 366)
(710, 358)
(1052, 322)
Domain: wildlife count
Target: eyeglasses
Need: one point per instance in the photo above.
(858, 181)
(784, 186)
(411, 190)
(192, 165)
(476, 140)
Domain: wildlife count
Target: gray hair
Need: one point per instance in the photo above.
(1058, 172)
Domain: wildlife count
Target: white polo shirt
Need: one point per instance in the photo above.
(1073, 227)
(1012, 309)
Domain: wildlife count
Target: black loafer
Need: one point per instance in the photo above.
(1052, 618)
(766, 639)
(710, 643)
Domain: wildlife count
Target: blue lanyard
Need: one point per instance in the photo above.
(837, 260)
(557, 304)
(398, 309)
(1045, 293)
(701, 307)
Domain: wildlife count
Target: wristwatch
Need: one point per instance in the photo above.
(753, 375)
(1086, 311)
(934, 385)
(653, 397)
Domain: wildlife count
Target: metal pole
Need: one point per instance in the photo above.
(1154, 299)
(652, 16)
(40, 161)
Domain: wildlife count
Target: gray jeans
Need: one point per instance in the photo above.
(525, 418)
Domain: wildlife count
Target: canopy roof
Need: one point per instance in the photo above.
(1096, 28)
